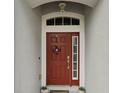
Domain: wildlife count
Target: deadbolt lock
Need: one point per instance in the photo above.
(68, 67)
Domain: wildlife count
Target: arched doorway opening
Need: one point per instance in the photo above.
(62, 49)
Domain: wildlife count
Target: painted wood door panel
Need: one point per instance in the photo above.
(59, 47)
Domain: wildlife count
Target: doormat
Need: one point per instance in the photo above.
(59, 91)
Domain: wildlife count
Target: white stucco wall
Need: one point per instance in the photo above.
(97, 45)
(27, 49)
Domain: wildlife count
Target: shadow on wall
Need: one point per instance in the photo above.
(70, 7)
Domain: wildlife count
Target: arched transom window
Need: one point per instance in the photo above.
(62, 21)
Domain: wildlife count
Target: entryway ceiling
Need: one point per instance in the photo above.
(36, 3)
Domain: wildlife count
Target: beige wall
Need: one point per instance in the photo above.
(97, 45)
(27, 49)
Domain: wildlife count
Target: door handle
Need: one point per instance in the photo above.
(68, 62)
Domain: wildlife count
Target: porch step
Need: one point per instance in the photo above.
(59, 91)
(71, 89)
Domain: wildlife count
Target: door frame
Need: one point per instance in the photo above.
(80, 28)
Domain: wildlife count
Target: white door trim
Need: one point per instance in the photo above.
(80, 28)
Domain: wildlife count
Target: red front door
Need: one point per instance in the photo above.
(59, 54)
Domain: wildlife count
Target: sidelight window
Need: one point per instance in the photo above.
(75, 57)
